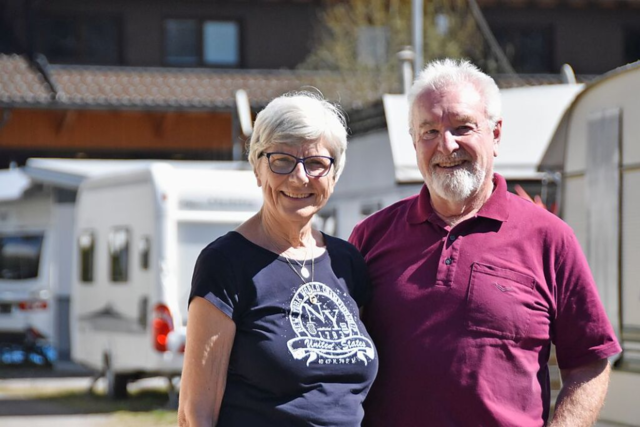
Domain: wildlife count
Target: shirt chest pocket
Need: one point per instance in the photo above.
(499, 302)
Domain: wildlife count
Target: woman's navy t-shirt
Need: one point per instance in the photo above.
(301, 356)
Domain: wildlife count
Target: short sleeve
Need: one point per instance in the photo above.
(213, 280)
(582, 331)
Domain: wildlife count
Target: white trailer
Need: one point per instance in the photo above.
(597, 149)
(27, 237)
(138, 235)
(37, 212)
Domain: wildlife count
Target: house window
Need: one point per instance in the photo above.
(190, 42)
(86, 244)
(181, 41)
(529, 49)
(119, 254)
(80, 39)
(220, 43)
(20, 256)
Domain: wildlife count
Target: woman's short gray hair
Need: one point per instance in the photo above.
(296, 118)
(440, 74)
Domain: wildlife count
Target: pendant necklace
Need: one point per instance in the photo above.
(304, 272)
(303, 269)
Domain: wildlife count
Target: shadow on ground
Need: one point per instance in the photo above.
(78, 402)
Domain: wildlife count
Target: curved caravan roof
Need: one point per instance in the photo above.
(70, 173)
(618, 89)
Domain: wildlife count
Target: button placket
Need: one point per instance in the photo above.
(447, 265)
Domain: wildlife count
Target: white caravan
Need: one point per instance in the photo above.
(597, 148)
(26, 240)
(138, 236)
(37, 210)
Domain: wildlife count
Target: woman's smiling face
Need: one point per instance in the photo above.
(295, 197)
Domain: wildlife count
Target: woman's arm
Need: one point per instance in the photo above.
(210, 335)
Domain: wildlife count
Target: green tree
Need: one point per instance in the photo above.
(360, 39)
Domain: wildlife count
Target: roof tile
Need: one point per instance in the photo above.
(179, 88)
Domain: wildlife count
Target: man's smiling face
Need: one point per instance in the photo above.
(455, 142)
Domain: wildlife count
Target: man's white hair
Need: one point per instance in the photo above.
(440, 74)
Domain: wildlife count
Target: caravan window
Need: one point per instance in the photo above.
(86, 243)
(119, 254)
(20, 256)
(145, 250)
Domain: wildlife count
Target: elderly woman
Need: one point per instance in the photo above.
(274, 338)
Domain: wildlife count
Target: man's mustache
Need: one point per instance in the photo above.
(456, 156)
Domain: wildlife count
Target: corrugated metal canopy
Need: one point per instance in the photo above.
(530, 118)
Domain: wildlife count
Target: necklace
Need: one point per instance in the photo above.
(303, 270)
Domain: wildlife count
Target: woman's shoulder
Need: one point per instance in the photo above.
(230, 238)
(226, 244)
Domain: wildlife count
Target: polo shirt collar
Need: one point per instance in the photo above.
(496, 208)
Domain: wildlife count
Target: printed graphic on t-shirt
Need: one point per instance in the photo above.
(326, 331)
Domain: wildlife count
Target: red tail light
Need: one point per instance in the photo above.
(32, 305)
(162, 325)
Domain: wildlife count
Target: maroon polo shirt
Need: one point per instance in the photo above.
(463, 317)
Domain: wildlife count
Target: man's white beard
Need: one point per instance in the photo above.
(459, 184)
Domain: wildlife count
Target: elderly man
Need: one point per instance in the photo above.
(472, 284)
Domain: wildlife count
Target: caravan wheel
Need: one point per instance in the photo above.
(116, 383)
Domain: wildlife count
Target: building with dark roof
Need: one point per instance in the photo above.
(538, 36)
(157, 79)
(138, 112)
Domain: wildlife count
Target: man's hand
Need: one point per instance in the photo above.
(582, 395)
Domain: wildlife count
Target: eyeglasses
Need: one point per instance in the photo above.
(284, 164)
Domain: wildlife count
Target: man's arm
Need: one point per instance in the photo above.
(582, 395)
